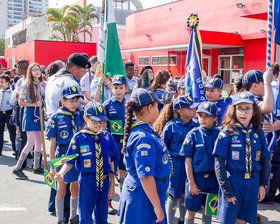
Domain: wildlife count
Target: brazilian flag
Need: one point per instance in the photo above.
(61, 160)
(116, 127)
(211, 204)
(49, 179)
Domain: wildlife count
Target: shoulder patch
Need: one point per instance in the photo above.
(143, 145)
(221, 135)
(186, 141)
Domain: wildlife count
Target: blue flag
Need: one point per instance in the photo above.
(193, 81)
(276, 21)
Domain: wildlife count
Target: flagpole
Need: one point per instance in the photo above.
(269, 33)
(42, 127)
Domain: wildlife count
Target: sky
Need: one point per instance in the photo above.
(146, 3)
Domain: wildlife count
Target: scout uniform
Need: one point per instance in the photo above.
(95, 151)
(115, 112)
(85, 82)
(5, 116)
(62, 126)
(243, 173)
(145, 155)
(222, 103)
(31, 116)
(199, 145)
(173, 134)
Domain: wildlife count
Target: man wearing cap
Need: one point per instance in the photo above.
(86, 79)
(213, 91)
(76, 67)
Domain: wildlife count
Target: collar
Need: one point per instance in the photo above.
(206, 130)
(160, 88)
(178, 120)
(88, 131)
(260, 98)
(138, 123)
(242, 128)
(65, 111)
(113, 99)
(8, 89)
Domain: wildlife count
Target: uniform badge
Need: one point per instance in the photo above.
(258, 155)
(84, 148)
(74, 147)
(256, 135)
(64, 134)
(144, 153)
(147, 169)
(235, 155)
(87, 163)
(165, 159)
(186, 141)
(143, 145)
(221, 135)
(52, 125)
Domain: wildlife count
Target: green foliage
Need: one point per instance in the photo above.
(69, 22)
(2, 46)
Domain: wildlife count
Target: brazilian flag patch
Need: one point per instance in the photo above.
(116, 127)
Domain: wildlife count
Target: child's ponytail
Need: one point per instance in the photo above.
(128, 122)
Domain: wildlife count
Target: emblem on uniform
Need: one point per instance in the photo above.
(144, 153)
(64, 134)
(235, 155)
(73, 147)
(84, 148)
(258, 155)
(164, 159)
(87, 163)
(52, 125)
(147, 169)
(256, 135)
(186, 141)
(143, 145)
(100, 109)
(221, 135)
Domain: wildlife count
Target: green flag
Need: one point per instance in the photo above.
(61, 160)
(116, 127)
(113, 64)
(224, 93)
(211, 204)
(49, 179)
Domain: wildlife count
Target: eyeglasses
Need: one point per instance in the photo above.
(246, 110)
(73, 101)
(35, 70)
(96, 122)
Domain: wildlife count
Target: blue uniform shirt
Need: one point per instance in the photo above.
(222, 105)
(146, 153)
(160, 90)
(60, 127)
(115, 112)
(83, 144)
(174, 133)
(5, 97)
(232, 148)
(198, 146)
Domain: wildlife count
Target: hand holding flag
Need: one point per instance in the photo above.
(62, 160)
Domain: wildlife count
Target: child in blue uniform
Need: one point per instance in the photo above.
(147, 163)
(173, 134)
(31, 118)
(97, 152)
(241, 151)
(213, 91)
(115, 111)
(61, 127)
(197, 148)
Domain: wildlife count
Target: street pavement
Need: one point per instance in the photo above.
(26, 201)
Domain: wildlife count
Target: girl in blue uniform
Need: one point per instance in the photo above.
(241, 151)
(173, 123)
(197, 149)
(62, 126)
(97, 152)
(31, 120)
(147, 163)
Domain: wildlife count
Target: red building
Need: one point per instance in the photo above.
(45, 52)
(233, 36)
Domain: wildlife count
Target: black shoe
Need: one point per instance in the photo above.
(30, 156)
(277, 198)
(39, 170)
(60, 222)
(267, 200)
(66, 220)
(53, 214)
(74, 220)
(111, 210)
(20, 174)
(180, 221)
(14, 153)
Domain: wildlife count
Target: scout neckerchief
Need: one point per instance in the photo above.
(137, 123)
(66, 112)
(99, 158)
(2, 96)
(248, 150)
(63, 73)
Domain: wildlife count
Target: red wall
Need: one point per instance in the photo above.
(45, 52)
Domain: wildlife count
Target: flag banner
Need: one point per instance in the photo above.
(102, 35)
(116, 127)
(276, 21)
(193, 68)
(113, 64)
(61, 160)
(49, 179)
(211, 204)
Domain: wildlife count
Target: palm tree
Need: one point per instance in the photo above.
(84, 16)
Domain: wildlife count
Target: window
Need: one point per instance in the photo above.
(143, 61)
(172, 60)
(163, 60)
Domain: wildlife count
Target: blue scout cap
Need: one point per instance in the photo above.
(214, 83)
(95, 111)
(181, 84)
(142, 97)
(252, 76)
(119, 79)
(184, 102)
(208, 108)
(243, 97)
(70, 92)
(171, 86)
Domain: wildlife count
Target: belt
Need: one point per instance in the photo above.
(163, 179)
(205, 175)
(244, 175)
(4, 112)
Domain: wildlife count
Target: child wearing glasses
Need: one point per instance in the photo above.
(67, 121)
(97, 153)
(241, 150)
